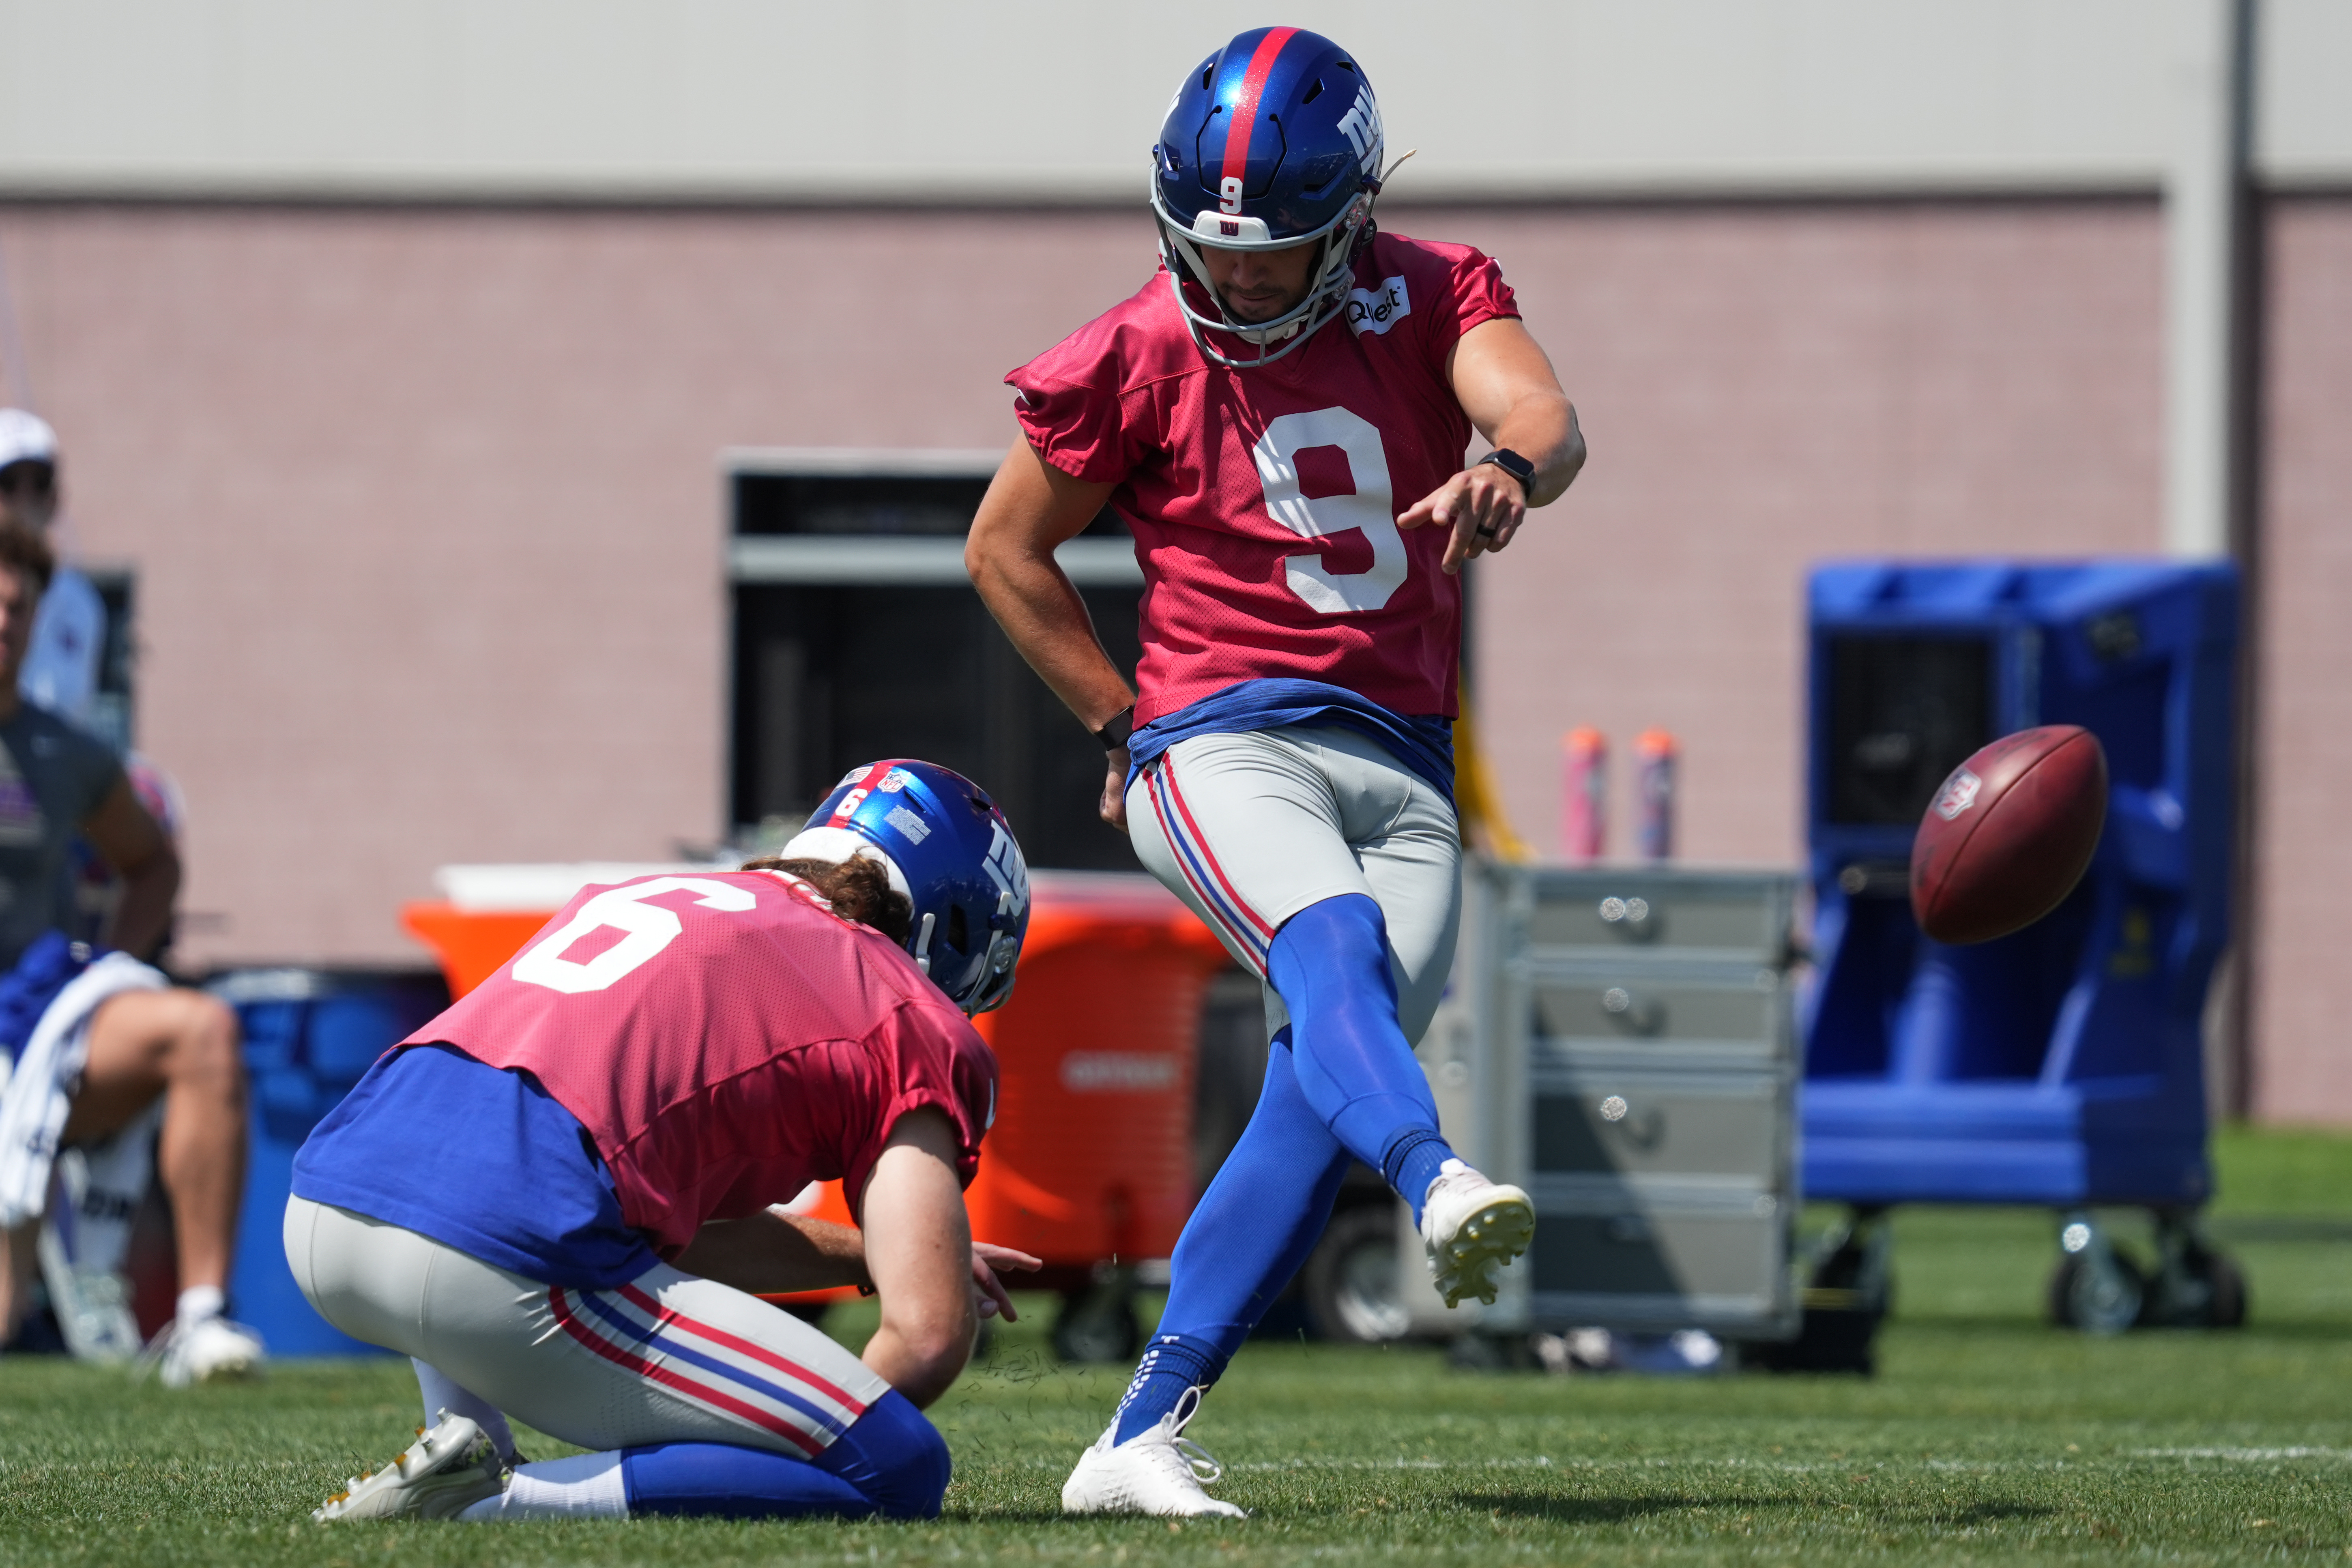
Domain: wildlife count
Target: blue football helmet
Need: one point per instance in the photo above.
(1272, 141)
(948, 849)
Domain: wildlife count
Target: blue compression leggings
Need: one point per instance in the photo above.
(1329, 964)
(1340, 1082)
(890, 1462)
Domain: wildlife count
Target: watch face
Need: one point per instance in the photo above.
(1511, 463)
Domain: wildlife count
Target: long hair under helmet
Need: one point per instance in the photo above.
(945, 846)
(1272, 141)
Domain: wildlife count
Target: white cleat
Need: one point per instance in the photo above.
(1158, 1471)
(1472, 1227)
(210, 1350)
(446, 1471)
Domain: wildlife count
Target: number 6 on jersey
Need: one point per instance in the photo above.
(645, 928)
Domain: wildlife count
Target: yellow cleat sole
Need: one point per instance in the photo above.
(1492, 1237)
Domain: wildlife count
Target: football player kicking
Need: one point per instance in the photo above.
(558, 1196)
(1281, 415)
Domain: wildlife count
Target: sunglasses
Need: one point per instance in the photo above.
(30, 477)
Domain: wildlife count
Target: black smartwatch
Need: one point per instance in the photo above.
(1114, 734)
(1511, 463)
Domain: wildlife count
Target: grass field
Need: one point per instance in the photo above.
(1986, 1437)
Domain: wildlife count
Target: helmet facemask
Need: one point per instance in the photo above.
(1331, 276)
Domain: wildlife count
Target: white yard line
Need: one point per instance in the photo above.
(2242, 1455)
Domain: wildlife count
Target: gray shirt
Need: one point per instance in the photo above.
(52, 776)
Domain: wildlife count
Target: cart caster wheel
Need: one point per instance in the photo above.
(2227, 1309)
(1351, 1279)
(2195, 1287)
(1097, 1326)
(2095, 1288)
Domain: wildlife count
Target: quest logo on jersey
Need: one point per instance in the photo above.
(1375, 310)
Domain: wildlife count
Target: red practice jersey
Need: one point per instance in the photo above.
(1264, 502)
(725, 1039)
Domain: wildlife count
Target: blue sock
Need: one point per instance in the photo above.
(1255, 1225)
(1329, 963)
(1172, 1363)
(1411, 1161)
(891, 1461)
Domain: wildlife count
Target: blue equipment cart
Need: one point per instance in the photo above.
(310, 1035)
(2063, 1065)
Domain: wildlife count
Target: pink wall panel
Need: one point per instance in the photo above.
(1766, 386)
(2302, 988)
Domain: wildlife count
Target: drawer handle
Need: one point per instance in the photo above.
(1644, 1131)
(1641, 1014)
(1629, 918)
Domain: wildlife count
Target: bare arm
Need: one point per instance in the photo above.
(135, 846)
(918, 1250)
(776, 1253)
(1507, 387)
(1030, 508)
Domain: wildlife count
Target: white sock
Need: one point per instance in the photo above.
(198, 1302)
(585, 1485)
(443, 1392)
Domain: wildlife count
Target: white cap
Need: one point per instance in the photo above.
(26, 439)
(834, 845)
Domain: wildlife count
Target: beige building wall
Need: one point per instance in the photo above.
(425, 506)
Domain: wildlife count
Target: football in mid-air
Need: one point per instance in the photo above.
(2009, 834)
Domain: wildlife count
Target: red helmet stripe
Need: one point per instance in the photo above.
(1244, 113)
(856, 797)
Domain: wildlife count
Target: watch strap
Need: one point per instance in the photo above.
(1114, 734)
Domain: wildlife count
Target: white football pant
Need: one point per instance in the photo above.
(1251, 828)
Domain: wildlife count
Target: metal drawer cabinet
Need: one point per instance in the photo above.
(1620, 1043)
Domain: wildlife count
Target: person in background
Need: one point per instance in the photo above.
(95, 1041)
(64, 666)
(61, 666)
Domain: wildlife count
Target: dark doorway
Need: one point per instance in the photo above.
(832, 674)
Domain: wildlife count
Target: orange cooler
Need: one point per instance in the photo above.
(1090, 1159)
